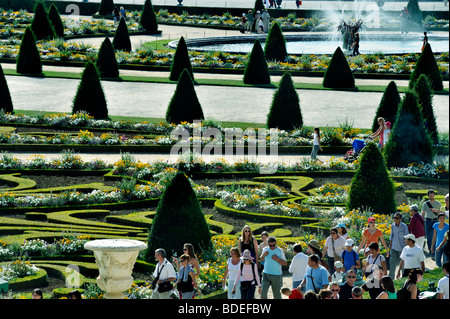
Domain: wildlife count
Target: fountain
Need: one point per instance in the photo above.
(115, 259)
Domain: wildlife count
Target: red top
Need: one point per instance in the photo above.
(296, 294)
(416, 226)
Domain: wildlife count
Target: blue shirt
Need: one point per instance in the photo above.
(272, 267)
(397, 233)
(349, 258)
(319, 276)
(440, 233)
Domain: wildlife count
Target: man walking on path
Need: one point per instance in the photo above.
(273, 258)
(412, 257)
(397, 242)
(430, 211)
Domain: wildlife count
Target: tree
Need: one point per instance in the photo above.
(29, 60)
(388, 106)
(148, 18)
(106, 7)
(121, 41)
(184, 105)
(409, 141)
(414, 12)
(6, 104)
(338, 73)
(181, 61)
(423, 89)
(55, 21)
(179, 219)
(90, 97)
(275, 47)
(426, 64)
(106, 60)
(259, 6)
(371, 186)
(41, 26)
(256, 70)
(285, 113)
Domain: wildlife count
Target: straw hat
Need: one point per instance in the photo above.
(314, 244)
(247, 255)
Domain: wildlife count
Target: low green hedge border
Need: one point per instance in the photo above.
(39, 279)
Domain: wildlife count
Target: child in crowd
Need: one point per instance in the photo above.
(339, 273)
(292, 294)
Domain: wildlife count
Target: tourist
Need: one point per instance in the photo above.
(265, 16)
(443, 284)
(342, 231)
(417, 226)
(424, 41)
(37, 294)
(335, 288)
(357, 293)
(339, 271)
(316, 144)
(186, 283)
(404, 16)
(264, 243)
(374, 260)
(260, 26)
(411, 257)
(316, 276)
(355, 45)
(388, 288)
(257, 16)
(373, 284)
(334, 246)
(310, 295)
(396, 243)
(243, 21)
(409, 289)
(298, 265)
(250, 20)
(444, 246)
(295, 293)
(349, 257)
(274, 258)
(193, 261)
(372, 235)
(298, 3)
(430, 211)
(248, 241)
(446, 199)
(247, 277)
(233, 266)
(313, 248)
(164, 275)
(271, 3)
(75, 294)
(440, 228)
(386, 133)
(123, 13)
(380, 132)
(325, 294)
(116, 14)
(346, 288)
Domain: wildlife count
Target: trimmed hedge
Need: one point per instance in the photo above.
(37, 280)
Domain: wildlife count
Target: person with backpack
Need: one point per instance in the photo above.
(409, 289)
(248, 277)
(430, 211)
(186, 283)
(349, 257)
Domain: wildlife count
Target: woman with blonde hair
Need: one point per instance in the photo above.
(248, 241)
(233, 266)
(381, 132)
(193, 261)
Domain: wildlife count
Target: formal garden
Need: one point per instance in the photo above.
(51, 207)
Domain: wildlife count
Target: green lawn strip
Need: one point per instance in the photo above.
(82, 188)
(137, 219)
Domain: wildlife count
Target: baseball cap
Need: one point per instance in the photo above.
(410, 236)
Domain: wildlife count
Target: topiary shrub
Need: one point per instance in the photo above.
(275, 47)
(426, 64)
(423, 89)
(371, 186)
(6, 104)
(179, 219)
(256, 70)
(388, 106)
(121, 41)
(409, 141)
(106, 7)
(181, 61)
(184, 105)
(55, 21)
(414, 12)
(90, 97)
(29, 60)
(338, 73)
(149, 20)
(285, 113)
(41, 26)
(259, 5)
(106, 60)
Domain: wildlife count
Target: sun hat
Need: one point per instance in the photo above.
(341, 225)
(314, 244)
(410, 236)
(388, 124)
(338, 264)
(247, 255)
(371, 219)
(349, 242)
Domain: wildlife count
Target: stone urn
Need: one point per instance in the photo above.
(115, 259)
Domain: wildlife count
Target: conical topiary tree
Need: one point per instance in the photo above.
(41, 26)
(414, 12)
(106, 60)
(29, 60)
(409, 140)
(121, 41)
(426, 64)
(256, 70)
(106, 7)
(338, 73)
(181, 61)
(149, 20)
(184, 105)
(388, 106)
(424, 91)
(275, 47)
(259, 6)
(55, 21)
(371, 187)
(90, 97)
(179, 219)
(6, 104)
(285, 113)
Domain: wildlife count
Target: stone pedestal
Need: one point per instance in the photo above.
(115, 259)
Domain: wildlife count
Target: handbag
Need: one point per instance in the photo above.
(165, 286)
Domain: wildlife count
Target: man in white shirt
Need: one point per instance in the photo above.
(443, 289)
(411, 257)
(298, 266)
(164, 274)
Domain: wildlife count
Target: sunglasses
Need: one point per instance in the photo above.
(333, 233)
(272, 245)
(246, 231)
(351, 276)
(335, 289)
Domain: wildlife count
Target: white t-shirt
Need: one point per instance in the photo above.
(233, 269)
(316, 139)
(339, 246)
(167, 271)
(298, 266)
(443, 287)
(412, 257)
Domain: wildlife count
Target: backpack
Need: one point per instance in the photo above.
(354, 257)
(247, 284)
